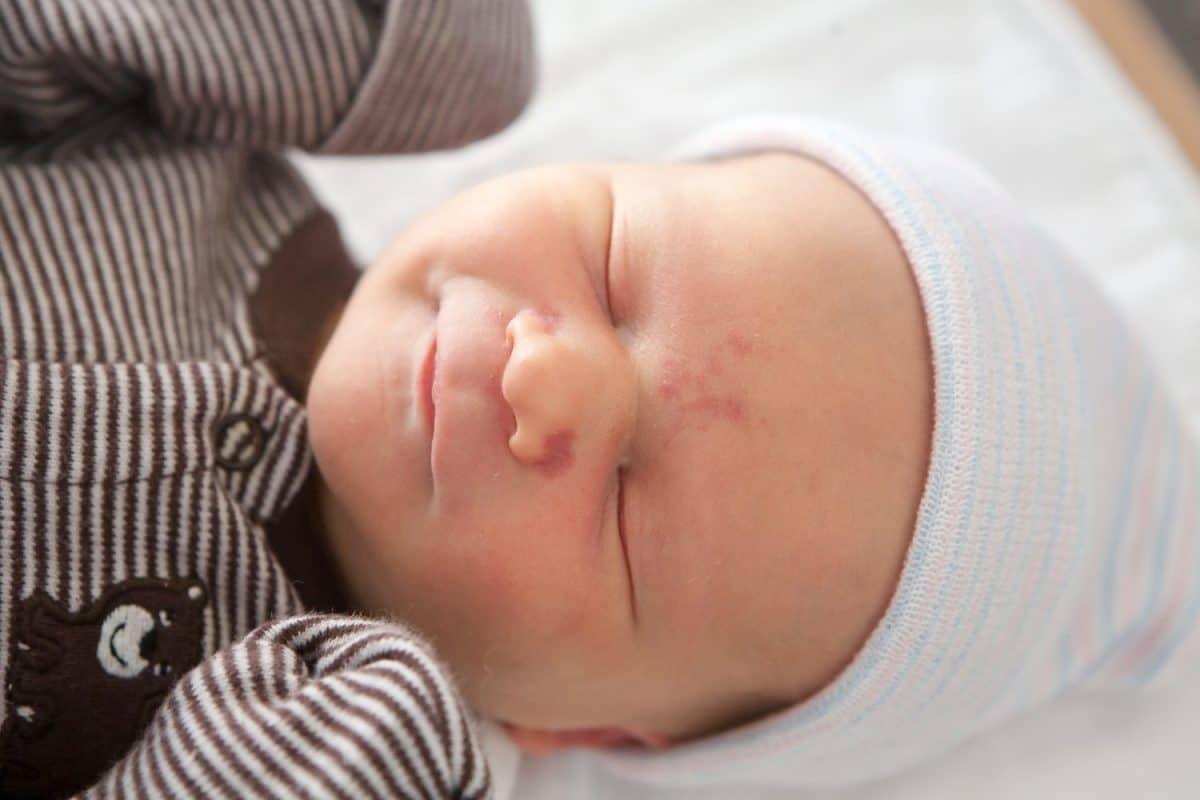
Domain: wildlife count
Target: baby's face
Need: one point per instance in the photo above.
(675, 442)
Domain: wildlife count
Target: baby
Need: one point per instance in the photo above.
(639, 446)
(795, 462)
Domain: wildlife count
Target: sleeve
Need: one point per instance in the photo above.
(340, 76)
(312, 706)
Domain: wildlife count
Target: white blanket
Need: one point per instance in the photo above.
(1020, 86)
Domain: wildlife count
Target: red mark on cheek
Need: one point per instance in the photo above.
(549, 317)
(713, 367)
(739, 344)
(674, 379)
(727, 408)
(557, 453)
(701, 395)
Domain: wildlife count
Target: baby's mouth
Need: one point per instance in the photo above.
(426, 391)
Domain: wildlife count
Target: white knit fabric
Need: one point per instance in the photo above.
(1057, 544)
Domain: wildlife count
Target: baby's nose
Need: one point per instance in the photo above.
(569, 388)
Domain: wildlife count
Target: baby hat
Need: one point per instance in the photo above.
(1057, 541)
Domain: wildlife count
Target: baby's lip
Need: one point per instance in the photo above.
(425, 390)
(470, 408)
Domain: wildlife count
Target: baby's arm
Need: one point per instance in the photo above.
(333, 75)
(312, 706)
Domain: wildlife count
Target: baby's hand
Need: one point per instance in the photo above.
(312, 706)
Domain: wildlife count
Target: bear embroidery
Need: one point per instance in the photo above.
(82, 687)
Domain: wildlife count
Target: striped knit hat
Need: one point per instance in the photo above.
(1058, 536)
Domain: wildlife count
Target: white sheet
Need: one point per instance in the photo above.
(1019, 85)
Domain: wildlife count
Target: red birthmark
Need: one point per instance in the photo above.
(550, 318)
(557, 453)
(740, 344)
(727, 408)
(674, 379)
(701, 395)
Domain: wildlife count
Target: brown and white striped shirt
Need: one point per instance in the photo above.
(165, 276)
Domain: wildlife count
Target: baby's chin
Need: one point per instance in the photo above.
(543, 740)
(649, 725)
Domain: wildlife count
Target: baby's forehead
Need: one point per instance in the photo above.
(835, 230)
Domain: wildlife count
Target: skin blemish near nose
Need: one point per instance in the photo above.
(740, 344)
(731, 409)
(674, 379)
(557, 453)
(701, 395)
(549, 317)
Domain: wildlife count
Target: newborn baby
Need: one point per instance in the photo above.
(810, 449)
(606, 433)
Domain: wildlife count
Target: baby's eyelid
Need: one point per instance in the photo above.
(624, 542)
(608, 256)
(621, 497)
(608, 303)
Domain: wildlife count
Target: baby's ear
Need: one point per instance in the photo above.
(541, 742)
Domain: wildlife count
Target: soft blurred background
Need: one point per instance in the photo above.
(1059, 105)
(1180, 21)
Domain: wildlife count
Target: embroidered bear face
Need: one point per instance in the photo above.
(84, 686)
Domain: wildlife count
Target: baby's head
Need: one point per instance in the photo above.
(824, 437)
(679, 430)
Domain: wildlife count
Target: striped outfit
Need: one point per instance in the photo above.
(165, 277)
(1057, 542)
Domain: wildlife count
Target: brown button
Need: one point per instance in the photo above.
(241, 441)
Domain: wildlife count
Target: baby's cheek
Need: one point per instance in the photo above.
(464, 583)
(337, 424)
(477, 607)
(513, 580)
